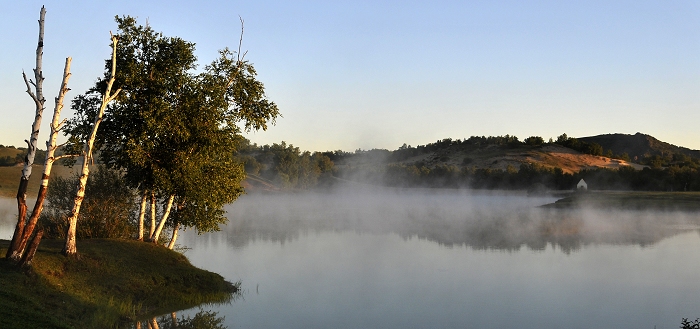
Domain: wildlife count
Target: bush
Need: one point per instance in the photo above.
(685, 324)
(105, 212)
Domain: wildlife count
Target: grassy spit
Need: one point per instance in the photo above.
(633, 200)
(113, 282)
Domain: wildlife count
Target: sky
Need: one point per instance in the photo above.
(358, 74)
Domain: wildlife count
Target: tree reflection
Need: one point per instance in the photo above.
(446, 221)
(202, 320)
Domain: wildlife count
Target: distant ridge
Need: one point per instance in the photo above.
(638, 145)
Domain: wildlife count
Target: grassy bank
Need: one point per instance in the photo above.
(664, 201)
(113, 281)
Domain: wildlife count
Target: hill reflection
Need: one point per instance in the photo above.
(507, 222)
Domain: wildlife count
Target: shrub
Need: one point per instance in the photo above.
(105, 212)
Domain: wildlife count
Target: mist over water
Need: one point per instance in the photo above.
(479, 220)
(393, 258)
(434, 258)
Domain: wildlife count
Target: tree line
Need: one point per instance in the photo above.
(526, 177)
(286, 165)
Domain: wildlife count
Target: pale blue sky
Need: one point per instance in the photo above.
(370, 74)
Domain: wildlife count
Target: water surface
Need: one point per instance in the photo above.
(445, 259)
(448, 259)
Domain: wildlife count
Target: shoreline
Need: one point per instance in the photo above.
(114, 282)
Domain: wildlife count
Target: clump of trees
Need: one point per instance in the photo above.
(583, 147)
(286, 165)
(167, 133)
(172, 131)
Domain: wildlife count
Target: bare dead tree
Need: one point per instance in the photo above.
(51, 147)
(38, 96)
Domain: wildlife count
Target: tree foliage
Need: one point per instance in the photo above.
(173, 130)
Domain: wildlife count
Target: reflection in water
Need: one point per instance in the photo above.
(446, 259)
(8, 216)
(451, 260)
(201, 320)
(481, 222)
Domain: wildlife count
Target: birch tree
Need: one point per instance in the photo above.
(24, 232)
(51, 158)
(70, 248)
(38, 97)
(173, 131)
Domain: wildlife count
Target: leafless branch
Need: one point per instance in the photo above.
(240, 42)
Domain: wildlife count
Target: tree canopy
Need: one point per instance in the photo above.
(173, 129)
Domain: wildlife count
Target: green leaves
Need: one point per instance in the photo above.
(173, 130)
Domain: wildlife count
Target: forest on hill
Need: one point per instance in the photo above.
(494, 162)
(606, 162)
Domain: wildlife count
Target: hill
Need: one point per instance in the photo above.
(504, 162)
(493, 156)
(639, 146)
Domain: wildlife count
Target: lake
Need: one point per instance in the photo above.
(447, 259)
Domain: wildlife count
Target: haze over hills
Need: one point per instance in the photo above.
(475, 162)
(504, 152)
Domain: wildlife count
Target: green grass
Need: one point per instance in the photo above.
(113, 281)
(9, 179)
(667, 201)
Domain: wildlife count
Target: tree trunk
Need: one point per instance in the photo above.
(38, 97)
(70, 248)
(21, 218)
(142, 214)
(153, 215)
(51, 147)
(166, 213)
(153, 324)
(171, 245)
(29, 255)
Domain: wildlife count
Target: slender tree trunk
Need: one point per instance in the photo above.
(171, 245)
(38, 97)
(29, 255)
(21, 218)
(70, 248)
(142, 214)
(173, 318)
(56, 125)
(153, 215)
(153, 324)
(166, 213)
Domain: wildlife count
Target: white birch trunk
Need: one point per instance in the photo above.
(171, 245)
(51, 147)
(142, 214)
(173, 318)
(153, 324)
(70, 246)
(152, 228)
(38, 97)
(156, 234)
